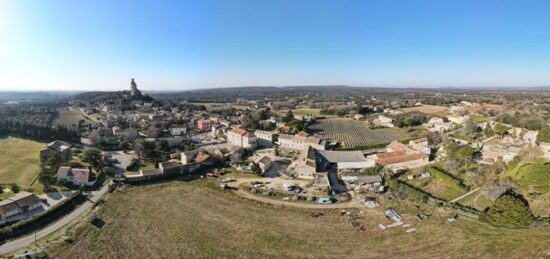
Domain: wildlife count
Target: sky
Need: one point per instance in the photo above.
(178, 45)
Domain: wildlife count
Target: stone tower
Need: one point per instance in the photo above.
(134, 90)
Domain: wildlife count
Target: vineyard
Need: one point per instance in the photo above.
(351, 133)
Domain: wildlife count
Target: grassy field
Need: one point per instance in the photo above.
(190, 220)
(440, 185)
(20, 161)
(533, 176)
(478, 200)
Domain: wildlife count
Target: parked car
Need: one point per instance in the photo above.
(324, 200)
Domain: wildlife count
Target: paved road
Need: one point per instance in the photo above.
(25, 241)
(351, 204)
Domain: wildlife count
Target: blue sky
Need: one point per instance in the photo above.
(174, 45)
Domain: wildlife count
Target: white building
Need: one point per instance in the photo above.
(264, 138)
(241, 138)
(458, 119)
(298, 142)
(530, 137)
(383, 121)
(178, 130)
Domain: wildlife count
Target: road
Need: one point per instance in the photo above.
(26, 241)
(351, 204)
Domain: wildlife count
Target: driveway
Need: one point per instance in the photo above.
(123, 160)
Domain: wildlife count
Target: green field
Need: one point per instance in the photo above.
(305, 111)
(192, 220)
(20, 161)
(533, 176)
(440, 185)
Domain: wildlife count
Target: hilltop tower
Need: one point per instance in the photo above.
(134, 90)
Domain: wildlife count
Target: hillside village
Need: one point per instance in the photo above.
(430, 156)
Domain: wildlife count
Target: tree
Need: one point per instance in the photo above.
(288, 117)
(488, 131)
(544, 135)
(92, 156)
(510, 210)
(434, 139)
(500, 129)
(464, 154)
(14, 188)
(53, 160)
(139, 149)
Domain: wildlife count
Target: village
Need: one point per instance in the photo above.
(134, 139)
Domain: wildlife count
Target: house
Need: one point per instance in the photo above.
(144, 175)
(58, 146)
(436, 124)
(19, 203)
(204, 125)
(264, 138)
(530, 137)
(76, 176)
(195, 156)
(219, 130)
(458, 119)
(399, 160)
(178, 129)
(491, 153)
(369, 181)
(420, 145)
(264, 163)
(383, 121)
(241, 138)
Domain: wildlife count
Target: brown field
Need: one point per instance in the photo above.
(69, 117)
(496, 107)
(429, 109)
(192, 220)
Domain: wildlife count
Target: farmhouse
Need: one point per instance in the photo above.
(17, 204)
(383, 121)
(58, 146)
(76, 176)
(241, 138)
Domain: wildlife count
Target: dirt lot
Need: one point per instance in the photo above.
(192, 220)
(70, 117)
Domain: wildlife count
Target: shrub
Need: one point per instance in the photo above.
(510, 210)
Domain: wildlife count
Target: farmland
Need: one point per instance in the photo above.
(305, 111)
(429, 109)
(19, 162)
(352, 133)
(191, 220)
(70, 117)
